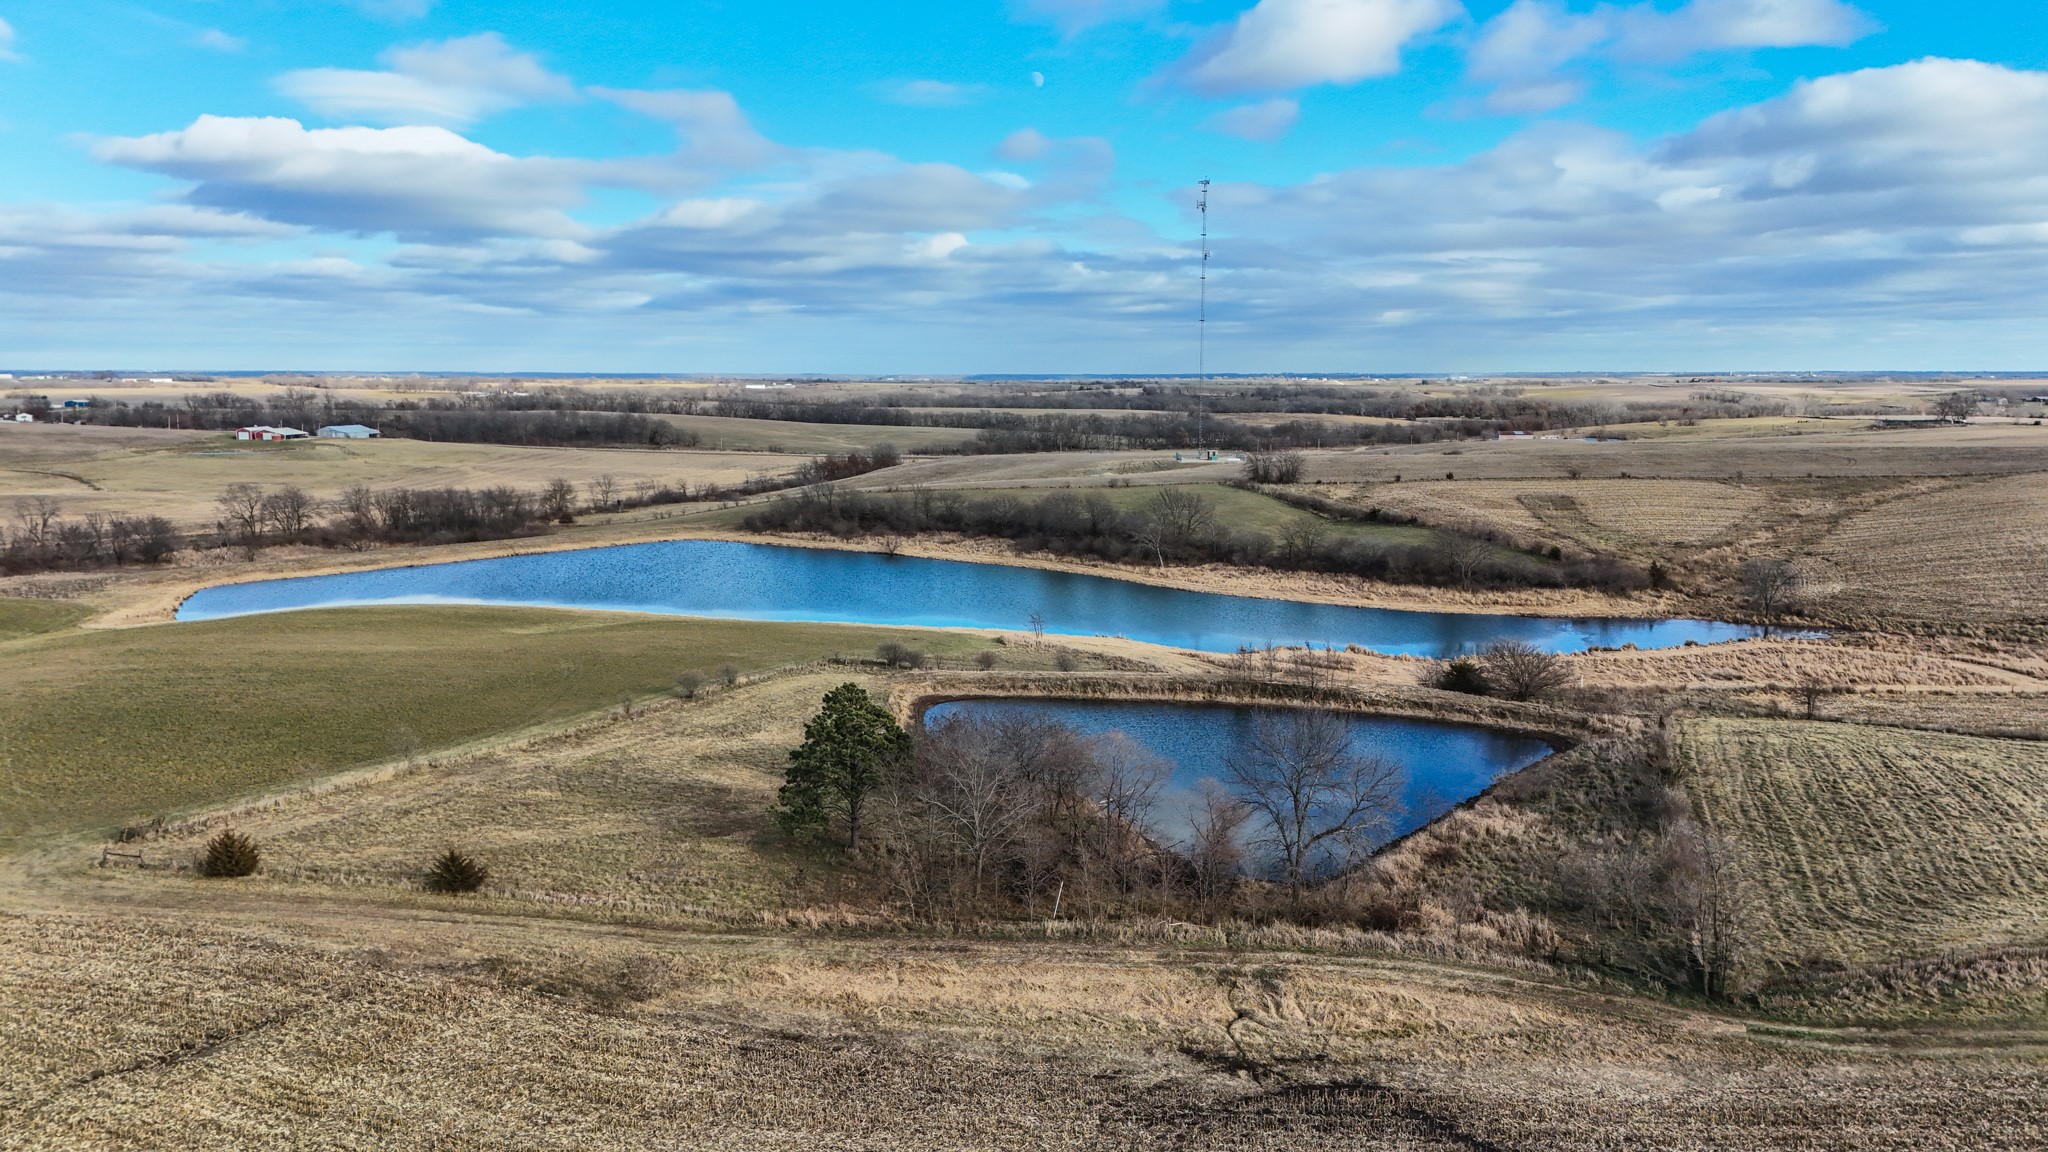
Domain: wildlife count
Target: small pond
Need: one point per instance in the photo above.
(771, 582)
(1444, 763)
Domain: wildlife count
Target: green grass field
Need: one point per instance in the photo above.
(19, 618)
(101, 727)
(1868, 844)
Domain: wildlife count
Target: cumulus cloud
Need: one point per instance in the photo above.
(1265, 120)
(418, 182)
(1285, 44)
(1912, 194)
(1071, 16)
(450, 83)
(1525, 53)
(1859, 195)
(1024, 144)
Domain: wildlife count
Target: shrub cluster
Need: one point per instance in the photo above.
(42, 540)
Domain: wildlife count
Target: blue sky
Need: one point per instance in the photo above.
(1400, 185)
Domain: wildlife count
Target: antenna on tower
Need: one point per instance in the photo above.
(1202, 304)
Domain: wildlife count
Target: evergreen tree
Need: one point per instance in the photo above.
(847, 747)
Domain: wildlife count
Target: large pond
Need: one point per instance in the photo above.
(1443, 764)
(771, 582)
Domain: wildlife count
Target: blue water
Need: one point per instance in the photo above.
(1444, 763)
(770, 582)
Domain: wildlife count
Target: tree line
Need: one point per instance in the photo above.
(40, 538)
(414, 420)
(1179, 526)
(971, 816)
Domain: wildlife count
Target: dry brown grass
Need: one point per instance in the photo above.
(178, 474)
(1967, 553)
(663, 815)
(364, 1032)
(1873, 844)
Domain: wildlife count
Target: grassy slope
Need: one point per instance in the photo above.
(19, 618)
(1872, 844)
(100, 727)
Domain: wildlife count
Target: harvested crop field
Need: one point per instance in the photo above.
(367, 1031)
(1964, 553)
(1629, 516)
(1872, 844)
(178, 475)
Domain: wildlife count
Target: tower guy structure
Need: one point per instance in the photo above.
(1202, 298)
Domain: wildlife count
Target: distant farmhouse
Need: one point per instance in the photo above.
(348, 432)
(266, 432)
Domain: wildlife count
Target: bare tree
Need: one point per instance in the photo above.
(288, 511)
(1519, 670)
(1955, 406)
(1215, 848)
(1709, 902)
(1302, 538)
(971, 793)
(1317, 802)
(1152, 535)
(241, 507)
(1811, 688)
(604, 491)
(1274, 467)
(1770, 585)
(1464, 556)
(559, 499)
(1183, 514)
(1124, 784)
(33, 517)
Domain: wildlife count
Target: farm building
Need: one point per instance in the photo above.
(349, 432)
(266, 432)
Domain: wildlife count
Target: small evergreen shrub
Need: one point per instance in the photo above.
(456, 873)
(1462, 675)
(230, 854)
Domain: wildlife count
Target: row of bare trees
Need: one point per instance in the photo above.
(40, 538)
(1017, 812)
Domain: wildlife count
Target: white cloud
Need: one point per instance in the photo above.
(1024, 144)
(1266, 120)
(1072, 16)
(714, 129)
(1520, 51)
(1912, 195)
(1853, 196)
(1525, 53)
(213, 39)
(929, 93)
(413, 182)
(1285, 44)
(1703, 25)
(7, 51)
(452, 83)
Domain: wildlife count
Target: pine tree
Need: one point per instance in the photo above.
(847, 748)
